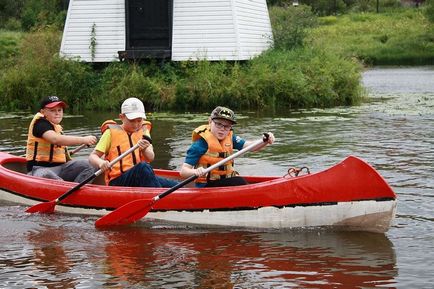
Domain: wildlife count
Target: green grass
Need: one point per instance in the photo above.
(297, 79)
(9, 47)
(278, 79)
(397, 37)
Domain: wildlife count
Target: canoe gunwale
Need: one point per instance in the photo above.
(277, 202)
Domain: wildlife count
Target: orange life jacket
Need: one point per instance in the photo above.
(217, 150)
(41, 152)
(145, 124)
(121, 141)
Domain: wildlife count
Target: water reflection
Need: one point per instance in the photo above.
(214, 259)
(49, 260)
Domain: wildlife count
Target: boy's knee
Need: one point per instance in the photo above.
(46, 174)
(145, 167)
(83, 164)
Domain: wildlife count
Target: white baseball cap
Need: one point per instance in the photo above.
(133, 108)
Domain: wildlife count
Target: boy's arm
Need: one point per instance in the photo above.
(103, 146)
(148, 151)
(97, 162)
(270, 140)
(188, 170)
(67, 140)
(196, 150)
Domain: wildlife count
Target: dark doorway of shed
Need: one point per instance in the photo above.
(148, 29)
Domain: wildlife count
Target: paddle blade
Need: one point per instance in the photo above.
(127, 214)
(47, 208)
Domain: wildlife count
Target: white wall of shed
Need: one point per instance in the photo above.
(109, 19)
(203, 29)
(254, 27)
(220, 30)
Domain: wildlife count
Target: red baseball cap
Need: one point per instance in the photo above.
(52, 101)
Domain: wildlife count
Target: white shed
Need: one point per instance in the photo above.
(113, 30)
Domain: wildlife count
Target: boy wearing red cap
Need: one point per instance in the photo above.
(46, 152)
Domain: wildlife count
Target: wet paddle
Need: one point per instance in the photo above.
(48, 207)
(135, 210)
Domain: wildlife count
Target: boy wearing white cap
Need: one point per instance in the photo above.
(134, 169)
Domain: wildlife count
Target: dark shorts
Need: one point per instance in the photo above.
(234, 181)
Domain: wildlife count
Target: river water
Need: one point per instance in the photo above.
(392, 130)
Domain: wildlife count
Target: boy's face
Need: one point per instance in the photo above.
(54, 115)
(220, 128)
(131, 125)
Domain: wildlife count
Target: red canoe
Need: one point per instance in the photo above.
(348, 196)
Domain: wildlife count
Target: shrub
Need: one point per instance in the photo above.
(328, 20)
(280, 78)
(9, 43)
(37, 13)
(290, 24)
(40, 72)
(10, 9)
(304, 78)
(326, 7)
(429, 12)
(13, 24)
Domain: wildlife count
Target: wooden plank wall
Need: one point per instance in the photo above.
(109, 19)
(220, 30)
(202, 29)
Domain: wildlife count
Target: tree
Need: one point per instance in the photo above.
(10, 9)
(429, 12)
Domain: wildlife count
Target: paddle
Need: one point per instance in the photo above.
(77, 149)
(137, 209)
(48, 207)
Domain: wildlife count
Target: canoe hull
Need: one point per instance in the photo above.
(371, 216)
(270, 203)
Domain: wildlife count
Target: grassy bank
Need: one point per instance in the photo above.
(291, 75)
(285, 79)
(397, 37)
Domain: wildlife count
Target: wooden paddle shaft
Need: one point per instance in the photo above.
(97, 173)
(77, 149)
(214, 166)
(121, 156)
